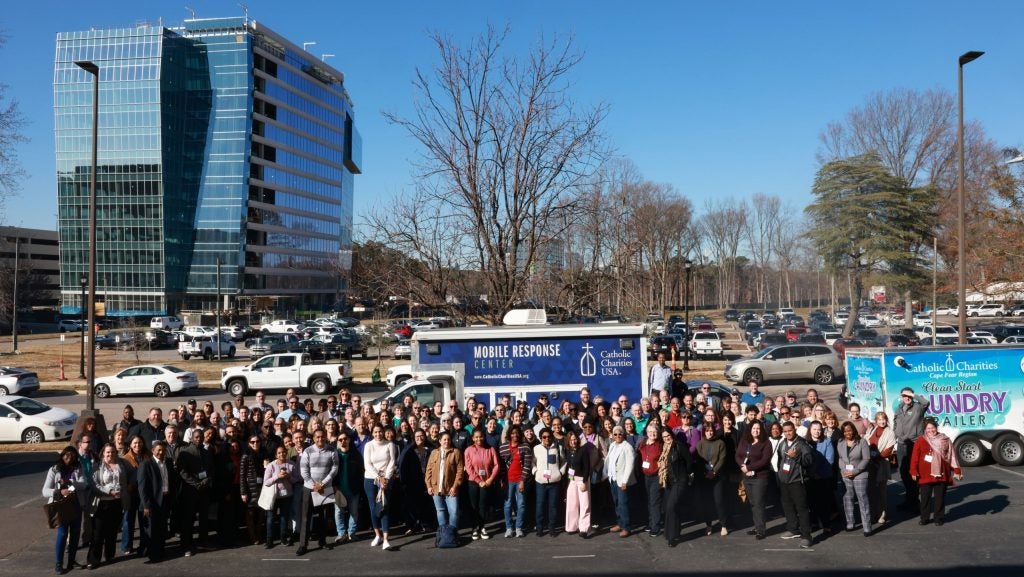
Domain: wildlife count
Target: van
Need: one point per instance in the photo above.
(166, 323)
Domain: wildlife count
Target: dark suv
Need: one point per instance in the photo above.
(273, 344)
(659, 345)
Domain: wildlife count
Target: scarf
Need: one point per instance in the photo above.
(663, 465)
(942, 449)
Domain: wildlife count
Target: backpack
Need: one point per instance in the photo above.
(447, 537)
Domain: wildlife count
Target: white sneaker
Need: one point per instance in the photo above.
(375, 542)
(476, 535)
(385, 546)
(484, 534)
(519, 533)
(508, 533)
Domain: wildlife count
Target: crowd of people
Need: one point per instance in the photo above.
(298, 470)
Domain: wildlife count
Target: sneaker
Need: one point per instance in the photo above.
(339, 540)
(509, 533)
(805, 543)
(484, 534)
(476, 535)
(385, 546)
(188, 553)
(520, 533)
(789, 535)
(724, 531)
(375, 542)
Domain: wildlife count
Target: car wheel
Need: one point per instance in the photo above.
(236, 387)
(208, 354)
(162, 390)
(4, 392)
(32, 436)
(1008, 450)
(970, 451)
(753, 375)
(102, 391)
(320, 386)
(231, 353)
(824, 375)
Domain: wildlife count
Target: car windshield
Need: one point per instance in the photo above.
(28, 406)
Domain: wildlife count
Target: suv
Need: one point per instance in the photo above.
(989, 310)
(821, 363)
(732, 315)
(667, 345)
(273, 344)
(66, 325)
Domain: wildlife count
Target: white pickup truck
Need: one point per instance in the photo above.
(204, 346)
(283, 371)
(706, 344)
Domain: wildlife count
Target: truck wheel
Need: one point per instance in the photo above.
(1008, 450)
(970, 451)
(236, 387)
(320, 385)
(208, 354)
(102, 391)
(753, 375)
(824, 375)
(162, 390)
(231, 353)
(186, 357)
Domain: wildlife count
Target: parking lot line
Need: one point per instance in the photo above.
(1005, 470)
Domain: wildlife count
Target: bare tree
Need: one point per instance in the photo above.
(11, 125)
(505, 148)
(722, 227)
(765, 217)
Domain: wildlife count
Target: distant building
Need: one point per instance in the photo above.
(219, 140)
(37, 251)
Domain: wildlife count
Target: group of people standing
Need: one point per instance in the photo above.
(271, 476)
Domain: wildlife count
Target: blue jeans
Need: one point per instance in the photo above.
(547, 510)
(67, 539)
(379, 517)
(621, 499)
(519, 499)
(346, 518)
(128, 527)
(447, 510)
(283, 511)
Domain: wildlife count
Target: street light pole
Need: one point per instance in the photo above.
(81, 324)
(961, 228)
(91, 68)
(686, 311)
(14, 297)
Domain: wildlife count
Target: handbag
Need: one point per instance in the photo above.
(61, 511)
(268, 496)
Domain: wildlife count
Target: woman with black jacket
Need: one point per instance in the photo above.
(581, 460)
(754, 457)
(251, 484)
(675, 469)
(412, 465)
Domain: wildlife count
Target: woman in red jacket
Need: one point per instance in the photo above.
(933, 465)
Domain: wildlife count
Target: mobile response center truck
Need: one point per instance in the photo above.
(976, 392)
(525, 361)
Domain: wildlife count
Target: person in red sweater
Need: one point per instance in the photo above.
(933, 465)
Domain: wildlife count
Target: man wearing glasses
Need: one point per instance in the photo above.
(908, 424)
(261, 402)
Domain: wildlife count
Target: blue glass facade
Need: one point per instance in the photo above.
(218, 141)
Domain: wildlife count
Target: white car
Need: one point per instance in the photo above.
(1013, 340)
(706, 344)
(831, 336)
(69, 325)
(983, 335)
(199, 331)
(871, 321)
(403, 350)
(896, 320)
(922, 320)
(988, 310)
(159, 380)
(282, 326)
(29, 421)
(15, 381)
(234, 333)
(945, 311)
(924, 332)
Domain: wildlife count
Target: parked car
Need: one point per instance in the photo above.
(29, 421)
(198, 331)
(159, 380)
(1015, 311)
(283, 371)
(894, 340)
(771, 339)
(346, 343)
(69, 325)
(944, 311)
(272, 344)
(205, 346)
(166, 323)
(750, 328)
(233, 332)
(707, 344)
(988, 310)
(816, 338)
(666, 345)
(793, 333)
(841, 344)
(15, 381)
(985, 336)
(281, 326)
(731, 314)
(939, 331)
(820, 363)
(871, 321)
(831, 336)
(403, 350)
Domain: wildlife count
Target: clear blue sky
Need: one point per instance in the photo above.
(720, 99)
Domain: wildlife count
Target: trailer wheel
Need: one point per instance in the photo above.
(970, 451)
(1008, 450)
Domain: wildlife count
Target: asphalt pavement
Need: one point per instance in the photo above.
(979, 538)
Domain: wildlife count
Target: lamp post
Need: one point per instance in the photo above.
(81, 359)
(961, 228)
(91, 68)
(686, 311)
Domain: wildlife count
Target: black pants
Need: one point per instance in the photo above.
(194, 501)
(757, 496)
(655, 502)
(933, 496)
(675, 495)
(477, 505)
(798, 514)
(712, 501)
(154, 532)
(821, 498)
(308, 514)
(906, 453)
(106, 522)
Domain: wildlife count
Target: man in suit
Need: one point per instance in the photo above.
(157, 486)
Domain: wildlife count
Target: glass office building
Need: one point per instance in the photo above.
(226, 157)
